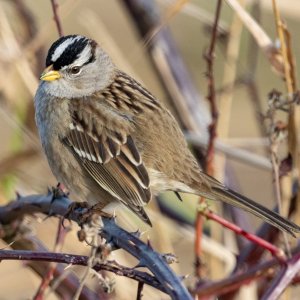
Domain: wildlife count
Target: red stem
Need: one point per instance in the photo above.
(275, 251)
(57, 20)
(198, 245)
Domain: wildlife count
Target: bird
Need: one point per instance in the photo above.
(109, 140)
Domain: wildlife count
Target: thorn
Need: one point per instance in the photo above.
(141, 264)
(7, 246)
(113, 246)
(18, 195)
(68, 266)
(149, 242)
(183, 277)
(178, 196)
(49, 191)
(143, 232)
(169, 286)
(136, 233)
(132, 243)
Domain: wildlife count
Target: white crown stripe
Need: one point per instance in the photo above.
(84, 56)
(63, 46)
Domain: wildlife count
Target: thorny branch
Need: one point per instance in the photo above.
(209, 56)
(114, 235)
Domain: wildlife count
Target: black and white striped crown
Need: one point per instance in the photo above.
(71, 49)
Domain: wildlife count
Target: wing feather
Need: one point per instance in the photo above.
(112, 160)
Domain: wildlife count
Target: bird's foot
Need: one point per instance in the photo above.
(98, 210)
(73, 207)
(91, 220)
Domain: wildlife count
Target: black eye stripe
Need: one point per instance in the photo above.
(71, 53)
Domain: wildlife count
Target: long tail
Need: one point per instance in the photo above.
(231, 197)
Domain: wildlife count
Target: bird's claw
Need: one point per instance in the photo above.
(74, 206)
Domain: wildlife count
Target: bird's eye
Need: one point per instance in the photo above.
(75, 70)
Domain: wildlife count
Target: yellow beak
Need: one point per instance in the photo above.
(49, 74)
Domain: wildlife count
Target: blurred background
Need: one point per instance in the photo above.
(27, 30)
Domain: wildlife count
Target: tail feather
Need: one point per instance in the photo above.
(231, 197)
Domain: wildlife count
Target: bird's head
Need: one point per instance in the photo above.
(76, 66)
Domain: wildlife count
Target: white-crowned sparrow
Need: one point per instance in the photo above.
(108, 139)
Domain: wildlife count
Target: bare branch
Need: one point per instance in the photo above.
(80, 260)
(56, 17)
(209, 57)
(212, 129)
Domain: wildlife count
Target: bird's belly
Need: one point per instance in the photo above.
(65, 171)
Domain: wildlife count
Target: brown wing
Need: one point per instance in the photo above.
(110, 156)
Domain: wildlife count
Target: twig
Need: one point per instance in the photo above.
(60, 236)
(57, 20)
(139, 294)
